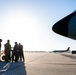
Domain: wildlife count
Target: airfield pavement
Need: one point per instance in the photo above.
(41, 63)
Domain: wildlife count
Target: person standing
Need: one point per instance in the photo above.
(15, 53)
(0, 49)
(20, 52)
(7, 47)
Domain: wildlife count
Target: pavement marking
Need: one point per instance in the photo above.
(5, 68)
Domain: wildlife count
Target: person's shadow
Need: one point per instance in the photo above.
(17, 68)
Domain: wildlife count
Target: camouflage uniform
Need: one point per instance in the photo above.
(7, 49)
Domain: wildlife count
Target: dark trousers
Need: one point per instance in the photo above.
(21, 56)
(7, 56)
(15, 57)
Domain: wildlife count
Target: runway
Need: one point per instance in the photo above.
(42, 63)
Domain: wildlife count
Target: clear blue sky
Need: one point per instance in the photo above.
(30, 23)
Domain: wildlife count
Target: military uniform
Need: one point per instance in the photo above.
(0, 48)
(20, 52)
(7, 49)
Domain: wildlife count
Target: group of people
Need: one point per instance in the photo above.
(13, 55)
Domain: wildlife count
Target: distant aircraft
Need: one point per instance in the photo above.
(62, 50)
(66, 26)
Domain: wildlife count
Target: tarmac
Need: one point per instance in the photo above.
(41, 63)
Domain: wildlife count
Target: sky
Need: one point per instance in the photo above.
(30, 22)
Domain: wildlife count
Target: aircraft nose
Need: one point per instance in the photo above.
(60, 28)
(66, 26)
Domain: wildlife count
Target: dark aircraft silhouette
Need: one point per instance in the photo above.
(62, 50)
(66, 26)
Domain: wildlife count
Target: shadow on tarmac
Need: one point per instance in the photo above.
(17, 68)
(70, 56)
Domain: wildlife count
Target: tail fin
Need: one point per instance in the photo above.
(68, 49)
